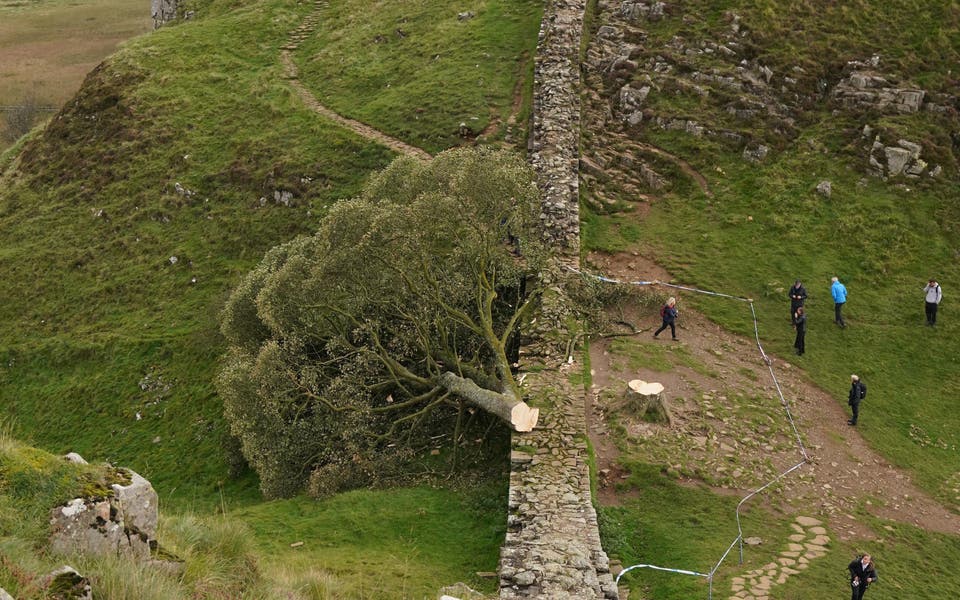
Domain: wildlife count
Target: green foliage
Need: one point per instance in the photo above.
(340, 338)
(417, 71)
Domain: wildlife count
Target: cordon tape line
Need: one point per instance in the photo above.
(783, 401)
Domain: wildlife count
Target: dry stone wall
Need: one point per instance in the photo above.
(555, 137)
(552, 547)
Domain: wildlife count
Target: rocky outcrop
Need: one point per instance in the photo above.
(902, 159)
(122, 523)
(163, 11)
(871, 90)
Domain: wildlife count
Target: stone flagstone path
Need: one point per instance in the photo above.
(808, 542)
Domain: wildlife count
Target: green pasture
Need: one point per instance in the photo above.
(418, 69)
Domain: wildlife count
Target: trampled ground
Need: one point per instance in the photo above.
(729, 424)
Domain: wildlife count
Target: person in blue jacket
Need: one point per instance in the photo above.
(669, 314)
(839, 293)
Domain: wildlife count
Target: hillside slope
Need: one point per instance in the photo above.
(183, 158)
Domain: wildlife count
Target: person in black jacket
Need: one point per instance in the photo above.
(800, 324)
(798, 294)
(862, 574)
(857, 392)
(669, 314)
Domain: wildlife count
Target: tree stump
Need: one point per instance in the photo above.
(646, 401)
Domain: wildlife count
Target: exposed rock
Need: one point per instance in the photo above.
(902, 159)
(4, 595)
(163, 11)
(868, 89)
(74, 458)
(755, 154)
(123, 524)
(824, 188)
(65, 583)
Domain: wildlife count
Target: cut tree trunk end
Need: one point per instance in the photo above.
(523, 417)
(646, 401)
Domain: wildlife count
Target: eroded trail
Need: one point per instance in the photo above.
(290, 71)
(718, 374)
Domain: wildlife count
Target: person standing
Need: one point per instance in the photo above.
(798, 294)
(862, 574)
(839, 293)
(669, 314)
(933, 295)
(858, 391)
(800, 324)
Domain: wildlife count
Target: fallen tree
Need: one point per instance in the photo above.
(407, 300)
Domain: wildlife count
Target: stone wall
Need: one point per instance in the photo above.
(552, 547)
(555, 137)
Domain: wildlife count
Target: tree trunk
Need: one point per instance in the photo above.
(647, 398)
(504, 405)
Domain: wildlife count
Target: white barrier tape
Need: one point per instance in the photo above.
(783, 403)
(657, 282)
(681, 571)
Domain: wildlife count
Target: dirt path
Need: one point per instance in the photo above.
(684, 166)
(736, 449)
(290, 71)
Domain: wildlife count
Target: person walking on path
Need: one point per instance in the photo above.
(862, 574)
(669, 314)
(932, 297)
(839, 293)
(800, 324)
(858, 391)
(798, 294)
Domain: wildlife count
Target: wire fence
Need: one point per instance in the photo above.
(783, 401)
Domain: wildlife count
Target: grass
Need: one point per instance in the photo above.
(47, 47)
(765, 226)
(399, 543)
(417, 70)
(127, 221)
(645, 530)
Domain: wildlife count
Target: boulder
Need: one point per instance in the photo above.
(163, 11)
(825, 188)
(124, 523)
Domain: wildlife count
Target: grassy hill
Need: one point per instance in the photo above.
(125, 223)
(750, 228)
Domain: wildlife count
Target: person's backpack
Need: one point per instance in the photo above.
(863, 390)
(663, 311)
